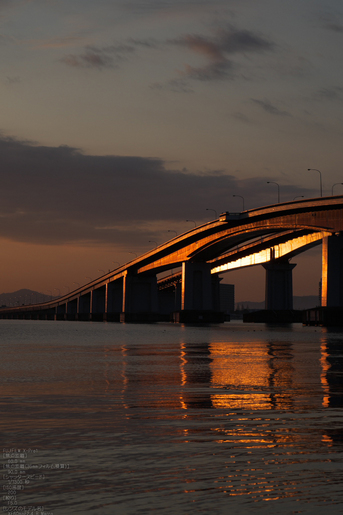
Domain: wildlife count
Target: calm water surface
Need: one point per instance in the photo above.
(137, 419)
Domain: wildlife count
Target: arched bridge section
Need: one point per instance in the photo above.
(270, 236)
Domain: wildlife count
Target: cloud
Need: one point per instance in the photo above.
(212, 71)
(13, 80)
(241, 117)
(331, 22)
(335, 27)
(270, 108)
(216, 50)
(58, 195)
(99, 57)
(219, 50)
(334, 93)
(225, 42)
(178, 85)
(235, 41)
(145, 43)
(148, 6)
(66, 41)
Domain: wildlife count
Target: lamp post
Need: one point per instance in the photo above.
(134, 253)
(335, 185)
(241, 198)
(78, 284)
(215, 212)
(153, 241)
(320, 178)
(192, 221)
(170, 230)
(100, 270)
(299, 196)
(278, 190)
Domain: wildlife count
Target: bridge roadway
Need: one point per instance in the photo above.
(269, 235)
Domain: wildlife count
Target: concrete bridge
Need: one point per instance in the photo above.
(269, 236)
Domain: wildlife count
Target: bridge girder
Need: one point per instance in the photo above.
(215, 242)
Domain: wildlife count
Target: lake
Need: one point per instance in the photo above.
(114, 419)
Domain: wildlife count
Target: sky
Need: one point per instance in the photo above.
(122, 119)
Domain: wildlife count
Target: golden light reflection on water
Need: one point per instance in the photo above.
(259, 376)
(243, 419)
(323, 377)
(223, 375)
(231, 369)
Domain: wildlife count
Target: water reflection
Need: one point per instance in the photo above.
(251, 376)
(332, 382)
(179, 420)
(332, 370)
(230, 375)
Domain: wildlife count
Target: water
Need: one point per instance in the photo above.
(119, 419)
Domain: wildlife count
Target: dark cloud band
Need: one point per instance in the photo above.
(57, 195)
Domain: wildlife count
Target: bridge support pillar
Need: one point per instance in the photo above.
(114, 300)
(332, 271)
(85, 306)
(73, 309)
(140, 299)
(99, 304)
(169, 300)
(279, 285)
(200, 300)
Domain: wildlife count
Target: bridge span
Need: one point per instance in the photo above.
(269, 236)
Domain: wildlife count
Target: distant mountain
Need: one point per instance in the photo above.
(300, 302)
(23, 297)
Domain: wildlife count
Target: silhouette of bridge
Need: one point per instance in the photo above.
(269, 236)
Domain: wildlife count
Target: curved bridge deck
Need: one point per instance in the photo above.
(270, 234)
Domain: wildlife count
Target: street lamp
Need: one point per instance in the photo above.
(100, 270)
(299, 196)
(320, 178)
(278, 190)
(134, 253)
(241, 198)
(153, 241)
(335, 185)
(215, 212)
(169, 230)
(192, 221)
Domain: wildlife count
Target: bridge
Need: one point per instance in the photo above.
(269, 236)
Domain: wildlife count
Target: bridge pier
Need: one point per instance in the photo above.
(85, 306)
(332, 271)
(73, 309)
(279, 285)
(99, 304)
(140, 298)
(114, 300)
(60, 313)
(200, 297)
(169, 300)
